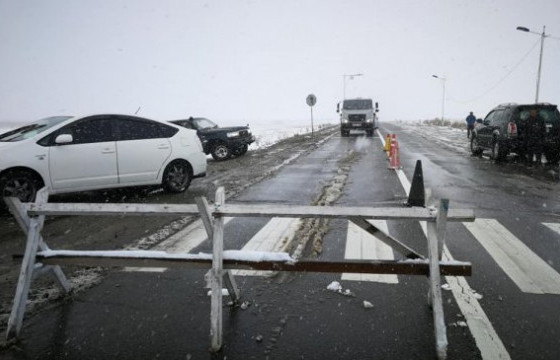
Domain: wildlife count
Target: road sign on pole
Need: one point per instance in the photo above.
(311, 100)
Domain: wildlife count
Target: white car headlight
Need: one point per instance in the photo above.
(233, 134)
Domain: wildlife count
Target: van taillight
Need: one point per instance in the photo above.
(512, 129)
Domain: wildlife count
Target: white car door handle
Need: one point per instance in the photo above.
(163, 147)
(108, 151)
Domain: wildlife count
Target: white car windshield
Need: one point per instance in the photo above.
(30, 130)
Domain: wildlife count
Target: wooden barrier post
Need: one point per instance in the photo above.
(32, 226)
(18, 211)
(436, 240)
(206, 217)
(217, 276)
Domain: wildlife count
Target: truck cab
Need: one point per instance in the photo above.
(357, 114)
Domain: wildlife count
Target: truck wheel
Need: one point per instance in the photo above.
(343, 133)
(221, 152)
(369, 133)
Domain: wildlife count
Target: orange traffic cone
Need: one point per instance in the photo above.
(393, 139)
(388, 143)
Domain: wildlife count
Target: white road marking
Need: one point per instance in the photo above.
(181, 242)
(487, 340)
(553, 226)
(362, 245)
(529, 272)
(275, 236)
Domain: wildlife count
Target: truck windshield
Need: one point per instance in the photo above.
(361, 104)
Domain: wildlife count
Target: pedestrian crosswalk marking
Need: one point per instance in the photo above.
(553, 226)
(276, 235)
(181, 242)
(527, 270)
(360, 245)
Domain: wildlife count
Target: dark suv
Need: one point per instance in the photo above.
(220, 142)
(503, 129)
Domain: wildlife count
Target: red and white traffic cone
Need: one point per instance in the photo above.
(395, 159)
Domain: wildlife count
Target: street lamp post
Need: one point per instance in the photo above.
(351, 76)
(543, 36)
(442, 78)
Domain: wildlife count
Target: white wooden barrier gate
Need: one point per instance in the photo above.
(38, 258)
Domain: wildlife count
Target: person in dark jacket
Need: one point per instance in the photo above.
(535, 131)
(471, 119)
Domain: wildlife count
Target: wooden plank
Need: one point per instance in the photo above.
(435, 291)
(205, 215)
(249, 210)
(231, 286)
(216, 324)
(407, 267)
(393, 213)
(441, 224)
(104, 209)
(387, 239)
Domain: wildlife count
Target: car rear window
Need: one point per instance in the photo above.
(549, 115)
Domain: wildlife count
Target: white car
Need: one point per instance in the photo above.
(70, 154)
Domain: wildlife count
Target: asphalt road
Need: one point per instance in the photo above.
(496, 313)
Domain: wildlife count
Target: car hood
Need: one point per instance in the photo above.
(7, 144)
(223, 129)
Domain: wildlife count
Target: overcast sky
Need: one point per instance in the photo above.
(256, 61)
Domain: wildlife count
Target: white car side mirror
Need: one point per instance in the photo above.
(63, 139)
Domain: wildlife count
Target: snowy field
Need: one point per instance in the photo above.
(446, 136)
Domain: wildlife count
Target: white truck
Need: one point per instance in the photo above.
(357, 114)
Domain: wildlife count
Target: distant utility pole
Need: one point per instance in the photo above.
(543, 36)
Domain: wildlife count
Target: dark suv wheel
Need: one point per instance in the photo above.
(498, 151)
(221, 152)
(242, 150)
(475, 147)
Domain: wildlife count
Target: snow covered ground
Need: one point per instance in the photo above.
(447, 136)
